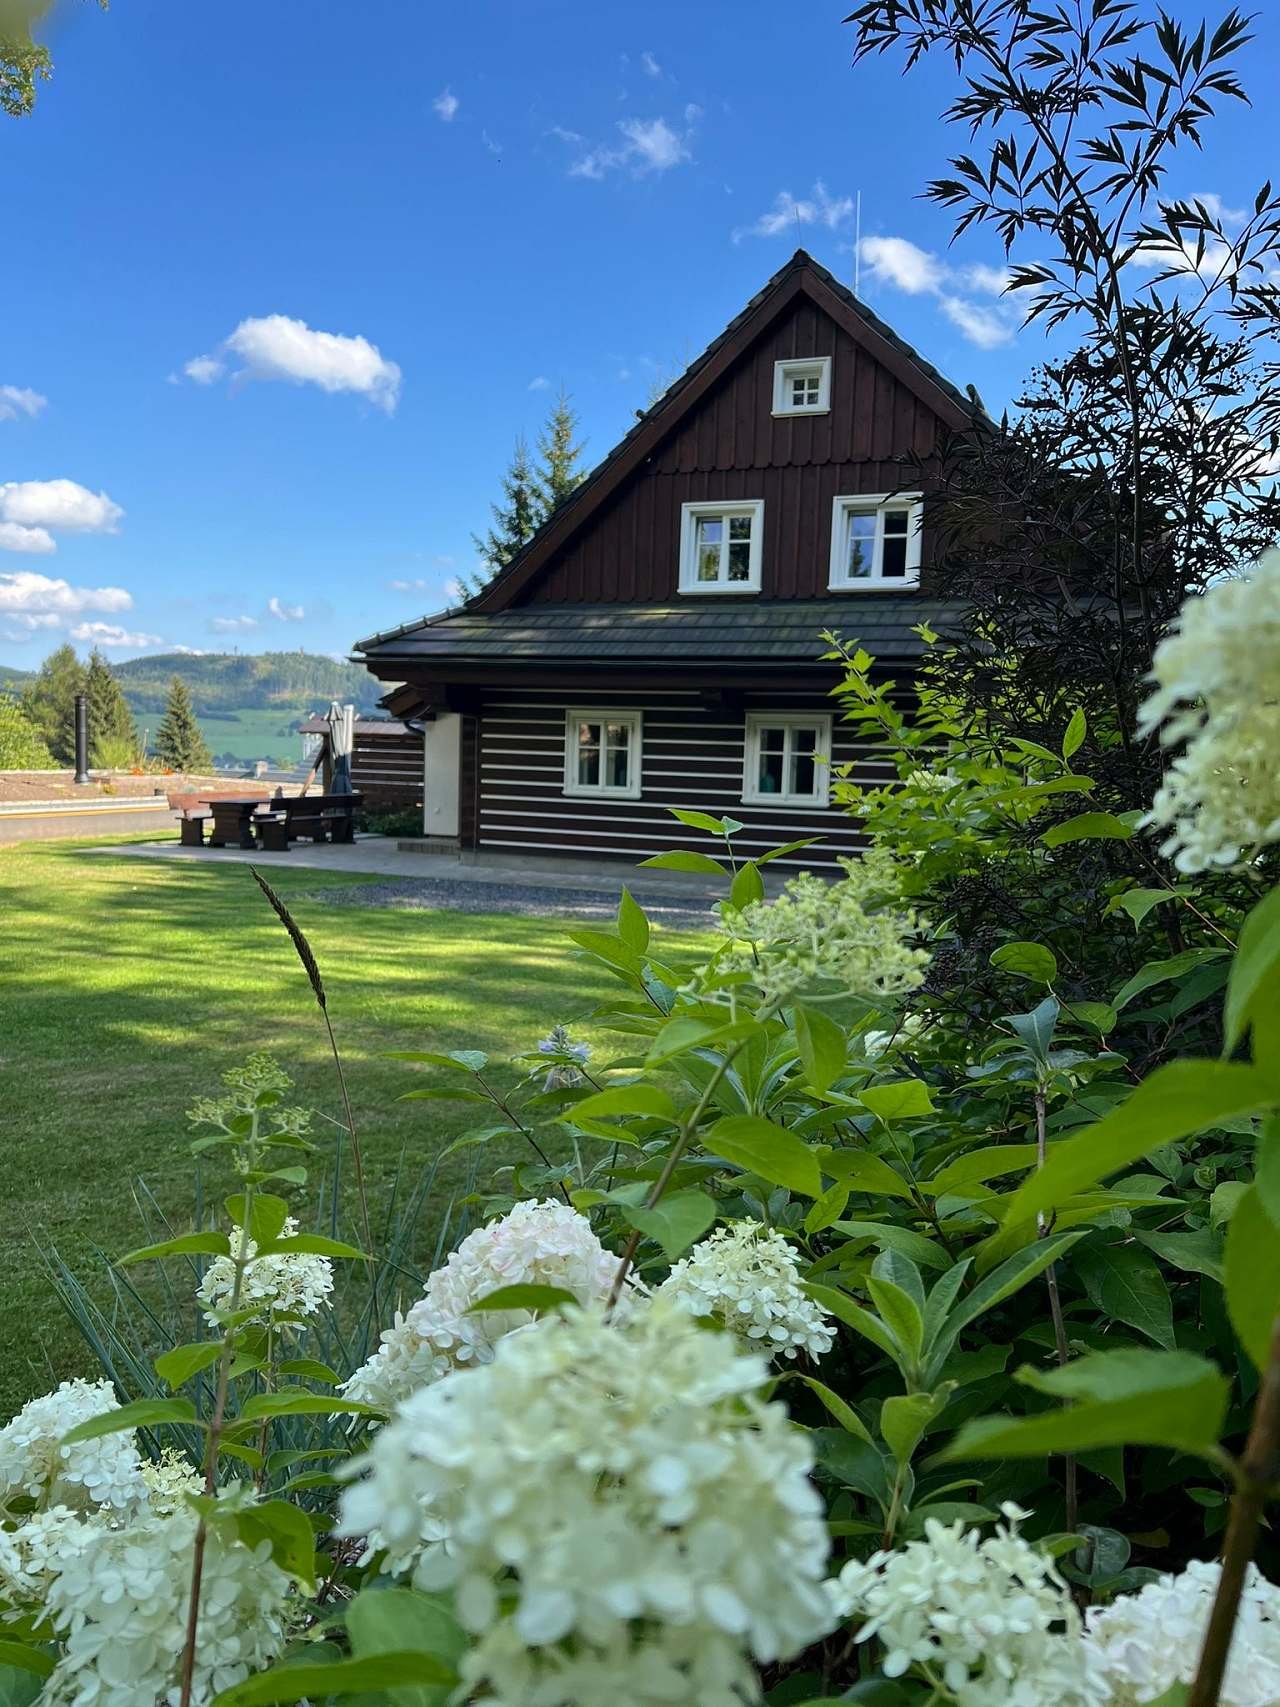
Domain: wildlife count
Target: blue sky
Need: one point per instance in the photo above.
(435, 215)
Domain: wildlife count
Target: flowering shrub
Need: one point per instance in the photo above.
(749, 1279)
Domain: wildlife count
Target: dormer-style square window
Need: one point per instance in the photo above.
(875, 541)
(720, 546)
(802, 387)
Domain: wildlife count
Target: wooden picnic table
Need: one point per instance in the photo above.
(233, 820)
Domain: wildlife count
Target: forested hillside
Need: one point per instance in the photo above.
(233, 681)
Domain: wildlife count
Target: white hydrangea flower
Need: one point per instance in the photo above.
(286, 1281)
(34, 1462)
(909, 1030)
(622, 1516)
(992, 1619)
(541, 1244)
(119, 1598)
(1149, 1641)
(170, 1478)
(31, 1554)
(1217, 696)
(844, 933)
(749, 1278)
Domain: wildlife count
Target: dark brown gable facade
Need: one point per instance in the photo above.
(658, 643)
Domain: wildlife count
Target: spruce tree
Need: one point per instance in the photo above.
(21, 746)
(558, 472)
(515, 520)
(49, 702)
(179, 745)
(113, 735)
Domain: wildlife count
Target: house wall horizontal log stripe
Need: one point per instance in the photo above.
(387, 768)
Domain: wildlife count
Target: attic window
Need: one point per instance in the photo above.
(720, 546)
(875, 541)
(802, 387)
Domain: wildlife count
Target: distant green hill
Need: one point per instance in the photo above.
(234, 681)
(11, 680)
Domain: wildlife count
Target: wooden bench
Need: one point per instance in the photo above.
(321, 817)
(194, 809)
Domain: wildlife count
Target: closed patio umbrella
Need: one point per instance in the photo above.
(342, 719)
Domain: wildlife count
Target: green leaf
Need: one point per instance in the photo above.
(828, 1208)
(402, 1620)
(1253, 1275)
(844, 1309)
(295, 1402)
(525, 1295)
(311, 1245)
(1009, 1277)
(187, 1244)
(1075, 733)
(1178, 1099)
(443, 1093)
(1198, 1252)
(288, 1529)
(676, 1221)
(1159, 971)
(844, 1414)
(900, 1313)
(611, 949)
(179, 1365)
(862, 1170)
(1137, 903)
(640, 1099)
(1254, 984)
(904, 1418)
(1125, 1283)
(1098, 1016)
(787, 848)
(684, 859)
(747, 885)
(822, 1045)
(1126, 1398)
(34, 1660)
(1088, 827)
(926, 1253)
(456, 1061)
(900, 1099)
(633, 924)
(344, 1677)
(681, 1036)
(1026, 960)
(978, 1166)
(699, 820)
(267, 1215)
(308, 1369)
(758, 1145)
(142, 1413)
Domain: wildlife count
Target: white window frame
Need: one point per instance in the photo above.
(602, 790)
(757, 721)
(802, 367)
(881, 503)
(728, 508)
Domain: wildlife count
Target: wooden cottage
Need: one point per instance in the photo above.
(658, 642)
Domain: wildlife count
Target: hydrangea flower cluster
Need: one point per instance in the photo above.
(118, 1599)
(32, 1554)
(909, 1030)
(1218, 697)
(990, 1619)
(749, 1278)
(622, 1516)
(543, 1244)
(1147, 1642)
(34, 1463)
(284, 1282)
(843, 933)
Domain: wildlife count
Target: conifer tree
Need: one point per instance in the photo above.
(113, 735)
(21, 746)
(558, 472)
(515, 520)
(179, 745)
(49, 702)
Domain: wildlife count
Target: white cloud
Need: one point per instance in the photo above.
(17, 400)
(110, 635)
(285, 613)
(446, 105)
(903, 265)
(649, 65)
(418, 586)
(189, 651)
(32, 601)
(232, 624)
(38, 542)
(454, 590)
(204, 369)
(1184, 257)
(1216, 208)
(563, 135)
(278, 347)
(540, 383)
(61, 505)
(491, 143)
(788, 213)
(649, 145)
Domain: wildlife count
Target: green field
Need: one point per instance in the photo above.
(252, 734)
(129, 986)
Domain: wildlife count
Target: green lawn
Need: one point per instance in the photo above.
(127, 987)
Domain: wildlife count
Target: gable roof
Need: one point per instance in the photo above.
(802, 276)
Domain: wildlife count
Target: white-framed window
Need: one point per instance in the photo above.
(787, 759)
(875, 541)
(602, 753)
(720, 546)
(802, 387)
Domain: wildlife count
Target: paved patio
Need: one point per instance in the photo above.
(474, 885)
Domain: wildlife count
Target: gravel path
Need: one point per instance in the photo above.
(689, 912)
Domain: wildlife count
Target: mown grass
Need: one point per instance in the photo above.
(128, 986)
